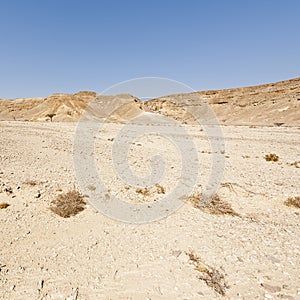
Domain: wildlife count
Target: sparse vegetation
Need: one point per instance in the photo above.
(156, 189)
(68, 204)
(4, 205)
(216, 205)
(31, 182)
(144, 191)
(160, 189)
(293, 201)
(271, 157)
(211, 276)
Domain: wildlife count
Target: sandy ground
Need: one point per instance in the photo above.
(92, 256)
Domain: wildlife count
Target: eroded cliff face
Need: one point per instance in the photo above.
(266, 104)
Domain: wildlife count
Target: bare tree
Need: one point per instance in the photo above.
(50, 116)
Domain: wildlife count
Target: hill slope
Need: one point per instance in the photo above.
(268, 104)
(264, 104)
(70, 107)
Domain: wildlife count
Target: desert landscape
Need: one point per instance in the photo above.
(244, 244)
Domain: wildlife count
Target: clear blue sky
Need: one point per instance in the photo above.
(71, 45)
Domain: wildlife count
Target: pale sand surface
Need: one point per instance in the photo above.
(44, 256)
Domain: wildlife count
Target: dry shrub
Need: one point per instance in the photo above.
(144, 191)
(215, 206)
(160, 189)
(271, 157)
(157, 188)
(195, 200)
(211, 276)
(293, 201)
(4, 205)
(68, 204)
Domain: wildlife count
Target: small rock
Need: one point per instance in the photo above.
(271, 288)
(74, 295)
(37, 195)
(40, 284)
(273, 259)
(8, 190)
(12, 287)
(285, 286)
(176, 252)
(287, 297)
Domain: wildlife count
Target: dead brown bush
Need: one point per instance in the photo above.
(160, 189)
(271, 157)
(68, 204)
(293, 201)
(144, 191)
(216, 205)
(211, 276)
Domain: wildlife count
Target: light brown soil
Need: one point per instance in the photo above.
(90, 256)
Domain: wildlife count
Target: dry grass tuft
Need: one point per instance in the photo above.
(68, 204)
(293, 201)
(31, 182)
(147, 191)
(216, 205)
(4, 205)
(195, 200)
(212, 277)
(271, 157)
(160, 189)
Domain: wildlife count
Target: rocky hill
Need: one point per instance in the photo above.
(70, 107)
(268, 104)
